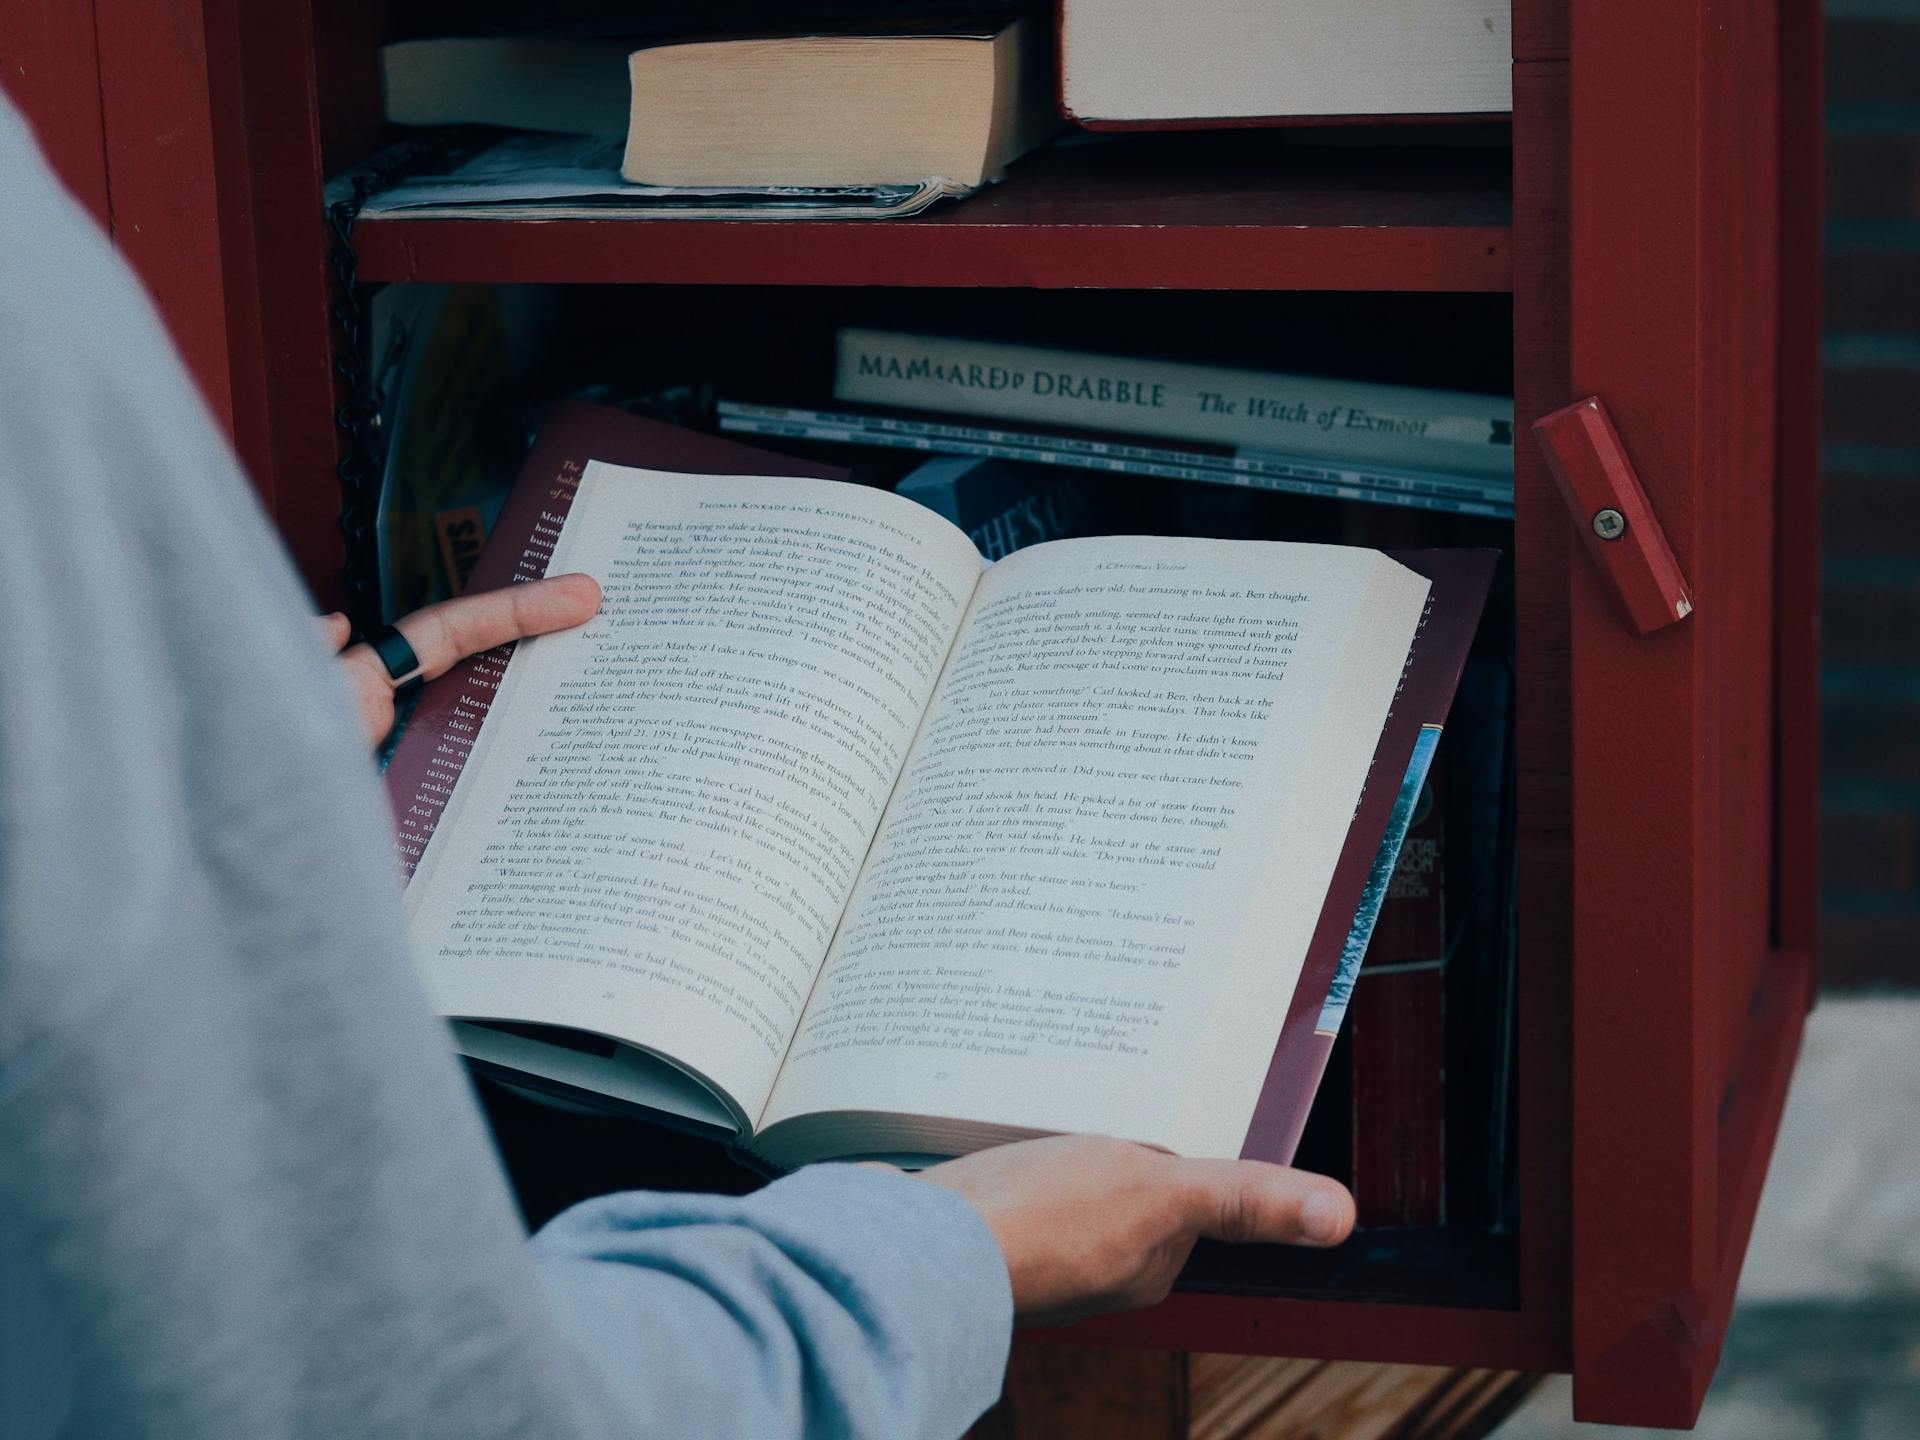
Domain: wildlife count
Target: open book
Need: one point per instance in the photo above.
(830, 837)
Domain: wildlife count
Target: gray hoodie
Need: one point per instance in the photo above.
(244, 1191)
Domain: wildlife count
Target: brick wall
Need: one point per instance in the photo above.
(1872, 603)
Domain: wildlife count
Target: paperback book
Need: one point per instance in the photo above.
(1347, 421)
(572, 177)
(831, 839)
(1132, 64)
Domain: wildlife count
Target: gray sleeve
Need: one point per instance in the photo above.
(243, 1187)
(839, 1301)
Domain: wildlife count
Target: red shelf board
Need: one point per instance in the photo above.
(1257, 214)
(1332, 1330)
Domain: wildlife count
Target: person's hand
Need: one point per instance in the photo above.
(443, 635)
(1089, 1224)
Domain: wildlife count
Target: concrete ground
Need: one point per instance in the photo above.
(1825, 1340)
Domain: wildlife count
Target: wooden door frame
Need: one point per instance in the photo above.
(1687, 1005)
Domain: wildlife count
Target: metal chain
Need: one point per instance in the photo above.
(359, 415)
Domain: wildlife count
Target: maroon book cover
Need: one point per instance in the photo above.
(440, 735)
(1460, 579)
(1398, 1026)
(1400, 1097)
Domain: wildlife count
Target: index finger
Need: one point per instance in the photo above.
(444, 634)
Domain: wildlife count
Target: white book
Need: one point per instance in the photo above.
(1140, 62)
(1398, 426)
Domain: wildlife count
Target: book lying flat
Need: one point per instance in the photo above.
(572, 177)
(1347, 422)
(891, 103)
(832, 840)
(1133, 64)
(761, 97)
(1103, 451)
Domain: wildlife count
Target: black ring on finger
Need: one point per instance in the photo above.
(403, 666)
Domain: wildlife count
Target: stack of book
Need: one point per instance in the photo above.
(716, 109)
(1338, 439)
(856, 115)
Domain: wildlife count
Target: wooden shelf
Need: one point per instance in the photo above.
(1233, 213)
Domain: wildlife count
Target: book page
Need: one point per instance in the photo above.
(1090, 899)
(667, 807)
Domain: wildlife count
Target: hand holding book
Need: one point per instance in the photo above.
(692, 1026)
(835, 846)
(444, 634)
(1089, 1224)
(1086, 1223)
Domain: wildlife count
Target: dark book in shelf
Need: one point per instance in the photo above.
(1030, 443)
(1398, 1018)
(1005, 506)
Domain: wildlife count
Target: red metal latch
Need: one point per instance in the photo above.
(1611, 513)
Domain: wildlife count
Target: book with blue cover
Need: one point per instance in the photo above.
(1006, 505)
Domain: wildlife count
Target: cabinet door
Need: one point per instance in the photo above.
(1692, 944)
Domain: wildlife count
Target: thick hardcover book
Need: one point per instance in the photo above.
(1093, 450)
(571, 76)
(1348, 421)
(833, 840)
(888, 105)
(751, 101)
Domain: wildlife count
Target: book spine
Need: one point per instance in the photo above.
(1324, 419)
(936, 485)
(1379, 881)
(1252, 462)
(1398, 1022)
(1003, 508)
(1042, 449)
(453, 709)
(1400, 1098)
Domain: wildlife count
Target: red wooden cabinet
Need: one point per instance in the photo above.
(1658, 236)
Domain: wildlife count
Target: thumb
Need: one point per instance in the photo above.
(1248, 1201)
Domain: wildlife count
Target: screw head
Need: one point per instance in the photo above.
(1609, 524)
